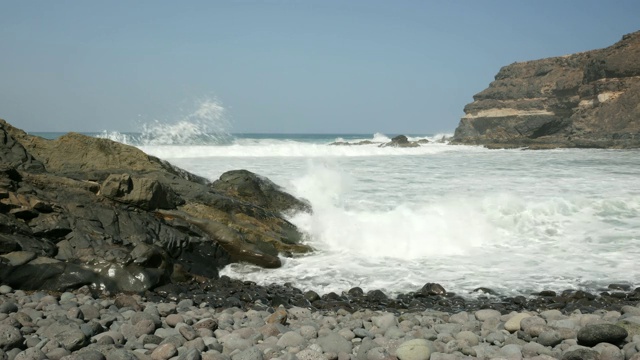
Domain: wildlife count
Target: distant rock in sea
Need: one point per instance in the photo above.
(583, 100)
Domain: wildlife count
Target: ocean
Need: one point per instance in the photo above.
(515, 221)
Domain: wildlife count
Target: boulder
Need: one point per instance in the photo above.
(81, 211)
(258, 190)
(401, 141)
(581, 100)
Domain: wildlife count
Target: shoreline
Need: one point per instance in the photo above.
(221, 320)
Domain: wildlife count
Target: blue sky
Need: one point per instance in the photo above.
(279, 66)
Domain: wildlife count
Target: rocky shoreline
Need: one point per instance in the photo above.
(231, 319)
(583, 100)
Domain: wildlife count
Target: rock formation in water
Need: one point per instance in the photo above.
(588, 99)
(81, 210)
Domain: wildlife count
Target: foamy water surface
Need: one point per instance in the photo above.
(393, 219)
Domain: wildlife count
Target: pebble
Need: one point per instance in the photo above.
(74, 325)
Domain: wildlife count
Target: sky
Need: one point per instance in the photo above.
(278, 66)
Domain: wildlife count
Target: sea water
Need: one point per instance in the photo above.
(515, 221)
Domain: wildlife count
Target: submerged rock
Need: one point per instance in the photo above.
(81, 211)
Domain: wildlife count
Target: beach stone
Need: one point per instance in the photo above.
(290, 339)
(552, 315)
(10, 337)
(335, 343)
(468, 336)
(173, 319)
(191, 354)
(550, 338)
(592, 335)
(609, 352)
(144, 327)
(122, 354)
(362, 333)
(89, 312)
(513, 324)
(57, 353)
(511, 351)
(8, 307)
(5, 289)
(309, 354)
(627, 310)
(188, 332)
(252, 353)
(209, 323)
(86, 354)
(308, 332)
(31, 354)
(384, 321)
(485, 314)
(581, 354)
(278, 317)
(416, 349)
(164, 352)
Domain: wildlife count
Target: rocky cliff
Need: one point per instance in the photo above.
(589, 99)
(81, 211)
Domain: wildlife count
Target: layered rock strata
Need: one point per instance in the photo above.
(81, 211)
(588, 99)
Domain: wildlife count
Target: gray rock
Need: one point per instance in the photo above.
(308, 354)
(334, 343)
(290, 339)
(164, 352)
(550, 338)
(8, 307)
(191, 354)
(581, 354)
(10, 337)
(417, 349)
(511, 351)
(252, 353)
(31, 354)
(121, 354)
(486, 314)
(609, 352)
(592, 335)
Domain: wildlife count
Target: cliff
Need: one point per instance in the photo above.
(588, 99)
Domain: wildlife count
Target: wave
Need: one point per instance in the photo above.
(506, 241)
(205, 125)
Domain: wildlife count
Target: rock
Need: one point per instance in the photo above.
(592, 335)
(31, 354)
(581, 354)
(416, 349)
(486, 314)
(334, 343)
(278, 317)
(10, 337)
(550, 338)
(290, 339)
(565, 101)
(401, 141)
(513, 324)
(252, 353)
(80, 211)
(164, 352)
(258, 190)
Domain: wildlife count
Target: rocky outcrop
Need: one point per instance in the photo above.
(81, 211)
(588, 99)
(399, 141)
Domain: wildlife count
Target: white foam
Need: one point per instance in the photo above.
(206, 124)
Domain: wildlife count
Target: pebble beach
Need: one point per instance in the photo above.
(164, 325)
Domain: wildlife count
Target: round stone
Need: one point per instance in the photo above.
(416, 349)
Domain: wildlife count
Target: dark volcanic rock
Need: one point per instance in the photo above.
(400, 141)
(592, 335)
(258, 190)
(91, 211)
(587, 99)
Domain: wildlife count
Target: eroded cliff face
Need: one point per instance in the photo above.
(589, 99)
